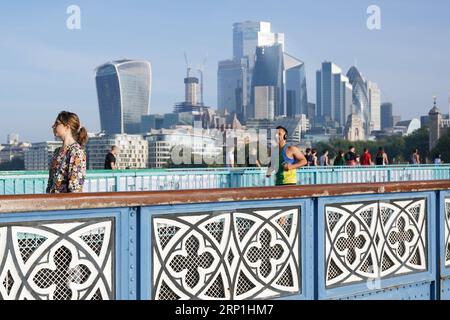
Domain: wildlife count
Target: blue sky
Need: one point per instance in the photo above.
(46, 68)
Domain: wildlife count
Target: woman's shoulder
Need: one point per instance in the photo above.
(76, 149)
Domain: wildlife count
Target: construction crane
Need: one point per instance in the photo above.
(188, 65)
(200, 70)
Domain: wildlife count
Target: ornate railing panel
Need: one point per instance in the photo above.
(244, 254)
(375, 243)
(57, 260)
(375, 239)
(447, 230)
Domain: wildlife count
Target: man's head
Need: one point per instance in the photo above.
(308, 150)
(351, 148)
(366, 150)
(282, 133)
(325, 152)
(115, 150)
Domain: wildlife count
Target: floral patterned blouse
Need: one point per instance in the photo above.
(67, 170)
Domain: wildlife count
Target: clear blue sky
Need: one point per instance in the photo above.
(45, 68)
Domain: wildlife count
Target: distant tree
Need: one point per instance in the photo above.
(418, 139)
(442, 148)
(394, 146)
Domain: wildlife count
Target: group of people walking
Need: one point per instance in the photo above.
(349, 158)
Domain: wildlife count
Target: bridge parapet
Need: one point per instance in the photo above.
(347, 241)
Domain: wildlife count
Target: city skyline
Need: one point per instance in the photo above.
(47, 68)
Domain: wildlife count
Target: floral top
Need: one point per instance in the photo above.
(67, 170)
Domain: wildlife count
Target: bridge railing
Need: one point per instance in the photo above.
(358, 241)
(35, 182)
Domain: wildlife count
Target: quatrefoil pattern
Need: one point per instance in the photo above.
(375, 239)
(57, 260)
(244, 254)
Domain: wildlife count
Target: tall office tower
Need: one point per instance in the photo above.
(123, 91)
(247, 36)
(296, 95)
(366, 100)
(360, 96)
(386, 115)
(374, 105)
(267, 91)
(231, 91)
(333, 91)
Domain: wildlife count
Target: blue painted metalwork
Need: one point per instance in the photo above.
(179, 211)
(121, 222)
(444, 244)
(381, 285)
(135, 244)
(35, 182)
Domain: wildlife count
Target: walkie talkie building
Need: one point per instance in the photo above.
(123, 91)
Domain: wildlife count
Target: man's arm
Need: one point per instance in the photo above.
(298, 155)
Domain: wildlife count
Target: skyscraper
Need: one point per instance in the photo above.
(234, 79)
(360, 96)
(366, 100)
(123, 91)
(386, 115)
(248, 35)
(296, 95)
(231, 89)
(267, 95)
(333, 95)
(374, 105)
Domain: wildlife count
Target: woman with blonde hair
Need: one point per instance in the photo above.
(68, 166)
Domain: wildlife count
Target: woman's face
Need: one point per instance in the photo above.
(59, 130)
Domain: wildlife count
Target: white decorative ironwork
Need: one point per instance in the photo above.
(246, 254)
(57, 261)
(375, 239)
(447, 231)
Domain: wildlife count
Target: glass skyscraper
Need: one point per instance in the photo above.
(234, 79)
(123, 91)
(231, 89)
(267, 96)
(366, 100)
(333, 95)
(296, 95)
(386, 115)
(360, 96)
